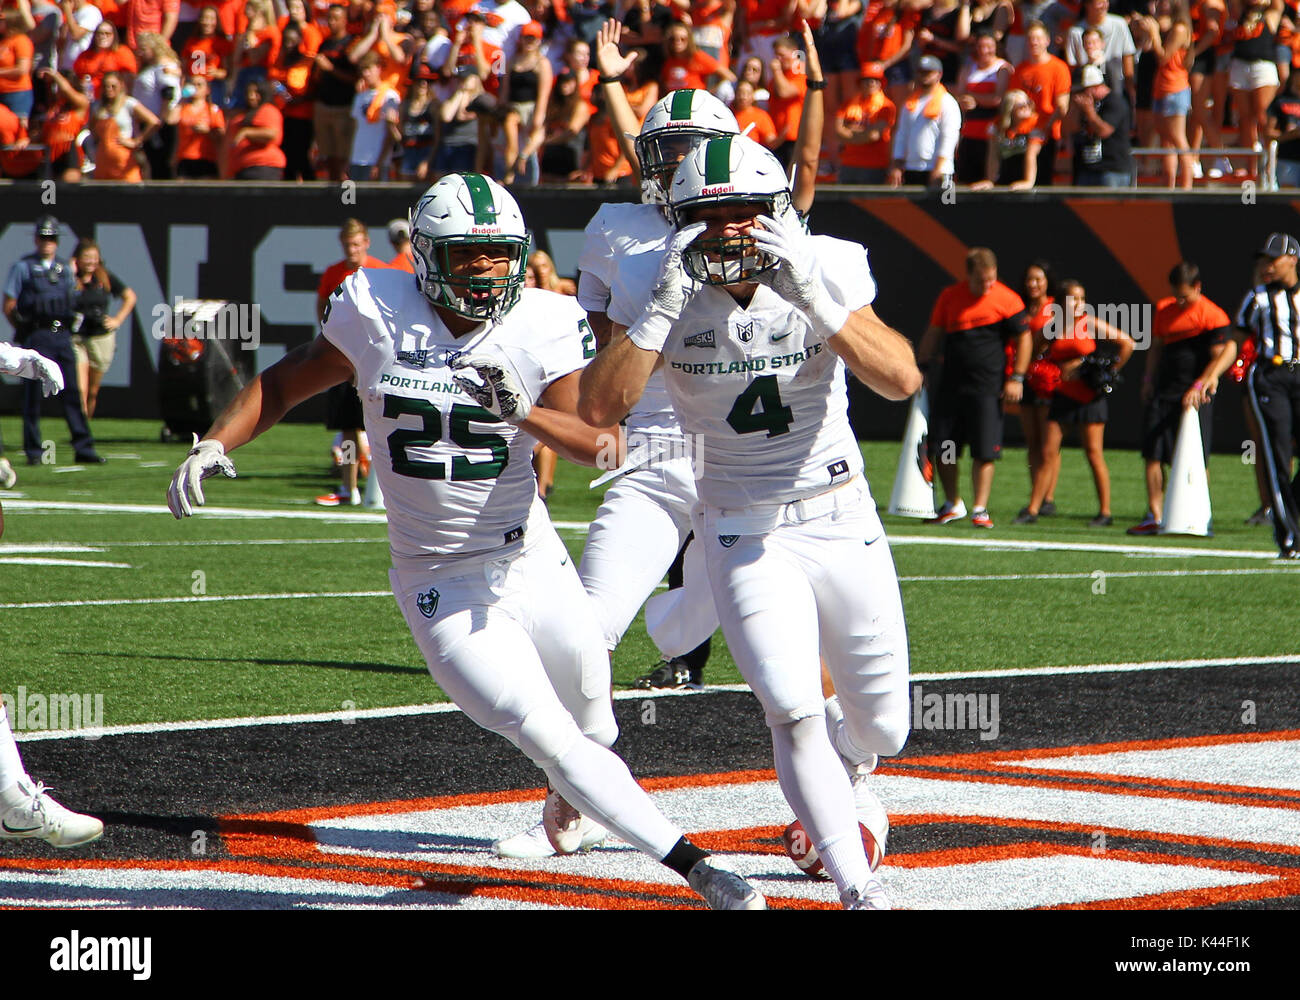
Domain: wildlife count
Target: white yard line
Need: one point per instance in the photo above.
(396, 711)
(1098, 574)
(206, 599)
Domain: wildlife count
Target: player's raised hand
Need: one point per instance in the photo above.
(610, 61)
(27, 363)
(796, 277)
(205, 459)
(499, 389)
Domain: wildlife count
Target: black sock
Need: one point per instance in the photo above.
(684, 856)
(697, 657)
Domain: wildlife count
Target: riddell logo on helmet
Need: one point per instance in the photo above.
(718, 189)
(484, 229)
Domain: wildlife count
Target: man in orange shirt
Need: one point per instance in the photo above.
(16, 160)
(399, 235)
(764, 22)
(1191, 348)
(151, 15)
(865, 126)
(789, 84)
(1046, 79)
(972, 319)
(343, 405)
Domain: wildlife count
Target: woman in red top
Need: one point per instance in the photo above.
(980, 88)
(1077, 402)
(685, 66)
(105, 55)
(16, 52)
(1035, 289)
(253, 138)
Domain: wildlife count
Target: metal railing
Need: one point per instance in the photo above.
(1265, 158)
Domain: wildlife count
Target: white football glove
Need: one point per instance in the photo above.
(500, 389)
(28, 364)
(796, 278)
(673, 289)
(205, 459)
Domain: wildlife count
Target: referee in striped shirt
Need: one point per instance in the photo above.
(1270, 313)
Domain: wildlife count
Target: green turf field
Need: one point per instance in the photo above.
(177, 653)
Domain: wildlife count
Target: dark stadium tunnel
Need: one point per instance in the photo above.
(374, 668)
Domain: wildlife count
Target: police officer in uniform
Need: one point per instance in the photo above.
(40, 302)
(1270, 313)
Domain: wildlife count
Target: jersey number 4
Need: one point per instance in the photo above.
(759, 408)
(462, 469)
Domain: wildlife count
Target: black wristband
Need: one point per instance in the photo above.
(816, 84)
(609, 79)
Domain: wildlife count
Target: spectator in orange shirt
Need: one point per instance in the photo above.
(253, 137)
(200, 132)
(389, 45)
(120, 125)
(151, 15)
(105, 55)
(342, 404)
(1171, 93)
(750, 114)
(17, 161)
(255, 47)
(684, 66)
(312, 36)
(789, 84)
(206, 52)
(1046, 79)
(291, 75)
(604, 163)
(980, 88)
(887, 36)
(1013, 145)
(865, 128)
(399, 235)
(63, 121)
(16, 52)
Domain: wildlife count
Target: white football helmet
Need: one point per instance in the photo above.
(676, 125)
(464, 209)
(732, 170)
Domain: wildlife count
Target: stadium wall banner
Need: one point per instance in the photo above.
(267, 246)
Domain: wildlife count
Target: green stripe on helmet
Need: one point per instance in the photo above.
(680, 109)
(717, 161)
(480, 196)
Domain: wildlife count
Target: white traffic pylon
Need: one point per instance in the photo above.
(913, 494)
(1187, 497)
(374, 496)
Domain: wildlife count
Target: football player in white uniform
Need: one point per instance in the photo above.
(461, 371)
(754, 323)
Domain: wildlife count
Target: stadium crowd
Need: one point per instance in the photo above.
(986, 92)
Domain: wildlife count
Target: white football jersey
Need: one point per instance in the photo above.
(620, 259)
(456, 480)
(764, 397)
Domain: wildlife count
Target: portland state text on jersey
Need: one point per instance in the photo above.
(791, 359)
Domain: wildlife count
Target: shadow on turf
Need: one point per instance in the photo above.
(371, 668)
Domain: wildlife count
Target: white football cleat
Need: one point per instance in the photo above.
(870, 896)
(7, 475)
(724, 890)
(532, 843)
(567, 829)
(872, 819)
(27, 812)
